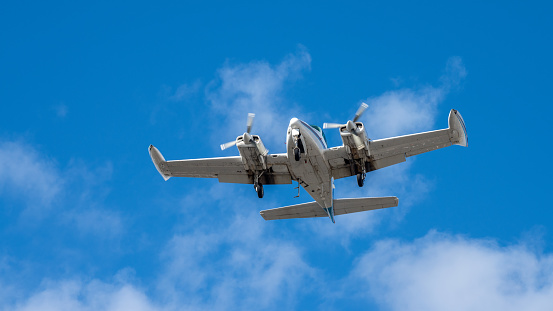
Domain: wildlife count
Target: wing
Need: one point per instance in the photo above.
(226, 169)
(389, 151)
(341, 207)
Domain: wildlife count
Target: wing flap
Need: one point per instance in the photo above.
(338, 159)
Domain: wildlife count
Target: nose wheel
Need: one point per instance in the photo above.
(297, 154)
(360, 179)
(259, 189)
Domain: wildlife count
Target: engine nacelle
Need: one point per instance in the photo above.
(354, 136)
(253, 152)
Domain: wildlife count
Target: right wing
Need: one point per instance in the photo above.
(226, 169)
(389, 151)
(341, 206)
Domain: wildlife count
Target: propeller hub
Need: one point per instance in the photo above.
(247, 138)
(351, 127)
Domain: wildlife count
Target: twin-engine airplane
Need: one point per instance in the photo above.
(310, 162)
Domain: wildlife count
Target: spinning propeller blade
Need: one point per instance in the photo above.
(229, 144)
(249, 124)
(360, 112)
(332, 125)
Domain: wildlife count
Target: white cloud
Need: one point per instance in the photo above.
(411, 110)
(233, 262)
(185, 90)
(76, 295)
(256, 87)
(61, 110)
(27, 175)
(73, 193)
(444, 272)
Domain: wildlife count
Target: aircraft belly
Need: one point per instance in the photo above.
(312, 171)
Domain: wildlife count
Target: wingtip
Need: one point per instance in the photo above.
(457, 124)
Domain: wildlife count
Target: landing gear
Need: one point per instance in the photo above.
(360, 179)
(297, 154)
(259, 189)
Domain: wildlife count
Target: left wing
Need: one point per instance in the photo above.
(226, 169)
(341, 207)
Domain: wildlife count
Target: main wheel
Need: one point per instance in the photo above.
(259, 189)
(297, 154)
(360, 179)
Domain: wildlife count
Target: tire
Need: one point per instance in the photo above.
(260, 191)
(297, 154)
(360, 179)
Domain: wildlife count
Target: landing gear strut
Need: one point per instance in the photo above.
(298, 145)
(360, 179)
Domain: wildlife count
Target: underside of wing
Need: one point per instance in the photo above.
(341, 207)
(226, 169)
(390, 151)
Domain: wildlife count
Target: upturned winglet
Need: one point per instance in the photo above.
(158, 160)
(457, 129)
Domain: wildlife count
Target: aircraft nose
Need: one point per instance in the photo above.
(294, 123)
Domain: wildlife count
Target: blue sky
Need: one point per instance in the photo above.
(87, 223)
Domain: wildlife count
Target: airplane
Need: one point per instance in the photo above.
(313, 165)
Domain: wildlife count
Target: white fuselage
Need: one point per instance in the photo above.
(312, 170)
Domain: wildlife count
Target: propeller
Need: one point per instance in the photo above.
(350, 124)
(247, 135)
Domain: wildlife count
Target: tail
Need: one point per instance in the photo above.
(341, 206)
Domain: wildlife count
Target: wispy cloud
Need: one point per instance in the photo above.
(186, 90)
(256, 87)
(411, 110)
(29, 176)
(235, 262)
(61, 110)
(26, 175)
(76, 295)
(445, 272)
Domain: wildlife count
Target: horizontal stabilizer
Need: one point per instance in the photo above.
(341, 206)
